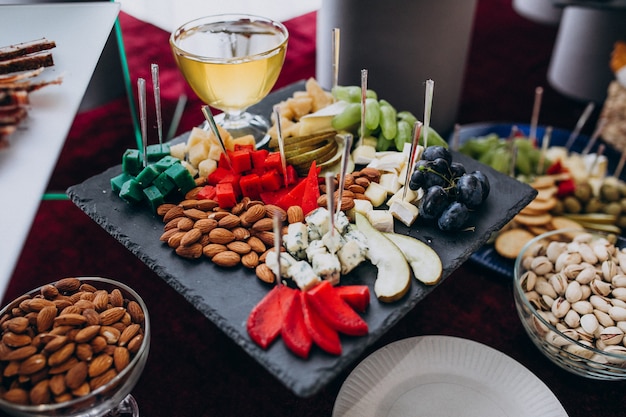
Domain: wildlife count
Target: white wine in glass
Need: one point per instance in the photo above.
(232, 62)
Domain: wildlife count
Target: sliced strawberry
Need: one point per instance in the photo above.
(336, 312)
(322, 334)
(357, 296)
(266, 318)
(294, 331)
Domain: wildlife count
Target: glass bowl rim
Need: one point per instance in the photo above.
(144, 348)
(526, 302)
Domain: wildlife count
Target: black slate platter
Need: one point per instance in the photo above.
(226, 296)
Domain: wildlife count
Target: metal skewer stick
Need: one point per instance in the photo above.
(545, 143)
(141, 89)
(209, 118)
(344, 168)
(281, 143)
(534, 120)
(363, 106)
(579, 125)
(428, 104)
(594, 137)
(330, 201)
(410, 163)
(620, 165)
(277, 245)
(336, 44)
(156, 86)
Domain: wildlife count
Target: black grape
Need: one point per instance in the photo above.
(454, 217)
(434, 202)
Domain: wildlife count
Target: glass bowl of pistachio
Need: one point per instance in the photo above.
(570, 294)
(73, 347)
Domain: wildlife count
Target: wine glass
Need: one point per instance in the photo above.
(231, 62)
(112, 398)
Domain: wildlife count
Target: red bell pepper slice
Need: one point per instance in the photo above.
(294, 331)
(322, 334)
(336, 312)
(265, 321)
(357, 296)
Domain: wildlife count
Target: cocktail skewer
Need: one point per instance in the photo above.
(594, 137)
(620, 165)
(281, 143)
(156, 86)
(330, 201)
(277, 246)
(344, 168)
(545, 143)
(428, 104)
(363, 105)
(336, 44)
(579, 125)
(417, 128)
(141, 90)
(534, 120)
(209, 118)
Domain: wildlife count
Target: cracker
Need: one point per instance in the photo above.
(510, 243)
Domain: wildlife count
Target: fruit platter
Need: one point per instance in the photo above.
(234, 287)
(593, 209)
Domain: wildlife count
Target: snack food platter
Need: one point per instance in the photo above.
(227, 295)
(487, 256)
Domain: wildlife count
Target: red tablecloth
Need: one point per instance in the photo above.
(193, 368)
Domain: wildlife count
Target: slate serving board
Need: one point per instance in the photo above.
(226, 296)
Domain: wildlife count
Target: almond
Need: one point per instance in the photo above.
(87, 333)
(193, 251)
(99, 365)
(264, 273)
(227, 258)
(205, 225)
(121, 358)
(111, 315)
(265, 224)
(239, 247)
(241, 233)
(76, 375)
(66, 285)
(250, 259)
(135, 311)
(295, 214)
(32, 364)
(272, 211)
(190, 237)
(253, 214)
(221, 235)
(256, 244)
(213, 249)
(230, 221)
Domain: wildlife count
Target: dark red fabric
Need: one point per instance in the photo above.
(193, 368)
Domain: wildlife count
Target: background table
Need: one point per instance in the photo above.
(194, 369)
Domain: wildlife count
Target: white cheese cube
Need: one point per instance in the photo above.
(303, 275)
(376, 194)
(350, 256)
(404, 211)
(327, 267)
(381, 220)
(296, 240)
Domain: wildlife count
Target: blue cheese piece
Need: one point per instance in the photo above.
(317, 223)
(315, 248)
(327, 267)
(350, 256)
(296, 240)
(286, 261)
(303, 275)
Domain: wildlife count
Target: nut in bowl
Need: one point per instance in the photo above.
(570, 293)
(73, 347)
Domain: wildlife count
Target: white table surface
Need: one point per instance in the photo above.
(80, 31)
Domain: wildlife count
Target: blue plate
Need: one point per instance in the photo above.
(487, 256)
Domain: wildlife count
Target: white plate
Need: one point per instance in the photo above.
(80, 31)
(443, 376)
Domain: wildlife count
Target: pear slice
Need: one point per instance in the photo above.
(424, 261)
(394, 275)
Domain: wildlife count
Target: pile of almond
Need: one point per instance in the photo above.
(242, 235)
(66, 342)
